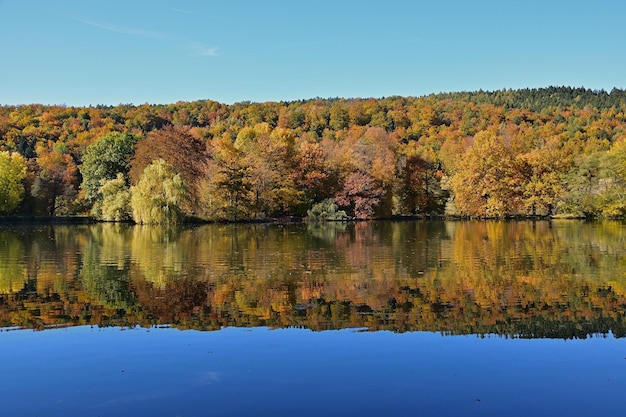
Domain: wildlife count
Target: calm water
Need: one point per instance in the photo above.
(385, 318)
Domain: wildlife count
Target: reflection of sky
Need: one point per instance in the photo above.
(167, 372)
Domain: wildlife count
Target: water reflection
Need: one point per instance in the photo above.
(521, 279)
(12, 269)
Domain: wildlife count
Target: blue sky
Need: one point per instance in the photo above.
(88, 52)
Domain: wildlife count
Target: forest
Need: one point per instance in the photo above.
(557, 151)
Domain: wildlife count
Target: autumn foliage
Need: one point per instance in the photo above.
(540, 152)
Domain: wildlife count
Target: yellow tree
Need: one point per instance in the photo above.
(225, 187)
(487, 183)
(12, 172)
(272, 162)
(542, 185)
(270, 157)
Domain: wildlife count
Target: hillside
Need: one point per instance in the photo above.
(529, 152)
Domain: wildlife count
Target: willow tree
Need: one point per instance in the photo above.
(157, 197)
(12, 172)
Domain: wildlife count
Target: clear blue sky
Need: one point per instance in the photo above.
(82, 52)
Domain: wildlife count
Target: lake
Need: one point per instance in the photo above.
(420, 318)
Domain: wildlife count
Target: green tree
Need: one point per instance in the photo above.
(615, 185)
(158, 196)
(596, 185)
(103, 160)
(104, 274)
(12, 172)
(582, 187)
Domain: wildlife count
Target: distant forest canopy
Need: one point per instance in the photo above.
(529, 152)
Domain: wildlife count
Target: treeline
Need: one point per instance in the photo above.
(530, 152)
(537, 99)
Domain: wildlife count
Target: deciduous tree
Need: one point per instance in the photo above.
(176, 146)
(158, 196)
(103, 160)
(361, 194)
(12, 173)
(226, 184)
(487, 183)
(57, 181)
(116, 199)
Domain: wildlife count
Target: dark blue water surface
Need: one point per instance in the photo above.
(85, 371)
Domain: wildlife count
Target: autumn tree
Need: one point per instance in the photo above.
(556, 139)
(146, 118)
(361, 194)
(176, 146)
(314, 177)
(418, 190)
(542, 170)
(57, 180)
(367, 160)
(12, 173)
(226, 184)
(487, 183)
(270, 157)
(339, 117)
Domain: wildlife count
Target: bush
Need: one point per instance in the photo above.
(326, 211)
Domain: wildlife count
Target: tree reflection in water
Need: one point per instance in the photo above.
(562, 279)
